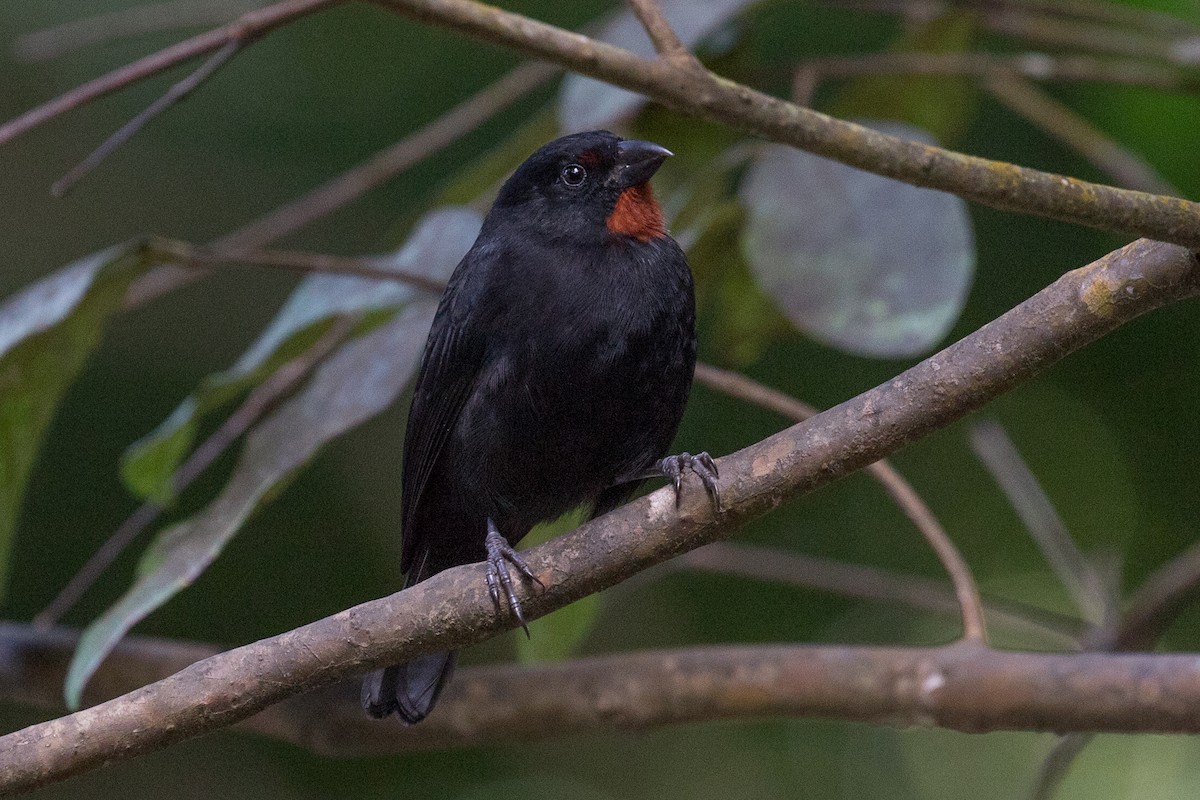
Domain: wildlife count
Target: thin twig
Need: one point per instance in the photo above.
(178, 92)
(292, 261)
(282, 382)
(252, 25)
(1039, 22)
(740, 386)
(355, 182)
(871, 583)
(1157, 602)
(709, 96)
(1034, 66)
(51, 43)
(1112, 13)
(666, 42)
(699, 92)
(386, 164)
(1010, 472)
(1058, 762)
(971, 686)
(1065, 124)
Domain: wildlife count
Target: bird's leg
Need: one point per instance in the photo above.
(499, 551)
(701, 464)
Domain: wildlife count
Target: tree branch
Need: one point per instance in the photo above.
(901, 492)
(964, 686)
(353, 183)
(701, 93)
(453, 609)
(283, 381)
(871, 583)
(1034, 66)
(666, 41)
(51, 43)
(252, 25)
(178, 92)
(1077, 132)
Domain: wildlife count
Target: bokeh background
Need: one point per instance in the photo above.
(1111, 433)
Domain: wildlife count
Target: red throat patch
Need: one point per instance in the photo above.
(637, 214)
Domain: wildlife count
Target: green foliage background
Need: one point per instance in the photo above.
(1111, 433)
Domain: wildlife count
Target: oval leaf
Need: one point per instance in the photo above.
(435, 247)
(46, 332)
(586, 103)
(354, 384)
(860, 262)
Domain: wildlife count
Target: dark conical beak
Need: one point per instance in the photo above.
(636, 162)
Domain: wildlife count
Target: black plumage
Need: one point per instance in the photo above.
(555, 374)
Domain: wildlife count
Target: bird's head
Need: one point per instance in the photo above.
(586, 186)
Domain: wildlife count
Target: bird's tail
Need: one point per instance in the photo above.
(410, 689)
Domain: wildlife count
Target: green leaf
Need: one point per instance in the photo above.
(740, 320)
(943, 105)
(357, 382)
(46, 333)
(556, 636)
(860, 262)
(586, 103)
(435, 247)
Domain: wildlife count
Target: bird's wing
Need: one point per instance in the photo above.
(452, 360)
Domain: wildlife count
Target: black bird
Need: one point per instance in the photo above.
(555, 375)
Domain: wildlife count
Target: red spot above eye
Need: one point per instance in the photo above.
(637, 214)
(589, 158)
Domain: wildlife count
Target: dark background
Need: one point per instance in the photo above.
(1111, 433)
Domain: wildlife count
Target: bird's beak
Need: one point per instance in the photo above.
(636, 162)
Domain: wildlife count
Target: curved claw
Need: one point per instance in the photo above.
(499, 555)
(702, 464)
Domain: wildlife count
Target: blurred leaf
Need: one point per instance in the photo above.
(743, 320)
(46, 332)
(941, 104)
(435, 247)
(556, 636)
(354, 384)
(863, 263)
(585, 103)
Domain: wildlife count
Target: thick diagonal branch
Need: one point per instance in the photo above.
(452, 609)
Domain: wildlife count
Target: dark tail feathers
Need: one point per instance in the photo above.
(410, 689)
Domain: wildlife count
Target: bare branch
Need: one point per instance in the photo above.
(175, 94)
(666, 41)
(1034, 66)
(352, 184)
(964, 686)
(998, 454)
(870, 583)
(252, 25)
(1157, 602)
(453, 609)
(282, 382)
(703, 94)
(1095, 27)
(1063, 123)
(292, 261)
(901, 492)
(52, 43)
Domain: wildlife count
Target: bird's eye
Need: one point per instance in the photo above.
(573, 175)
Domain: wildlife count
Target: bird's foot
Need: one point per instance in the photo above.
(499, 555)
(701, 464)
